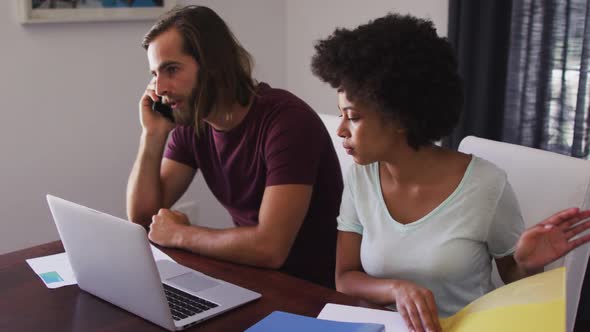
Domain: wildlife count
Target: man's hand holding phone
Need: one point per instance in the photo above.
(155, 117)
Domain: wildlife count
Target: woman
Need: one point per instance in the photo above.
(419, 224)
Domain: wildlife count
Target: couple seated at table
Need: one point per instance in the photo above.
(417, 224)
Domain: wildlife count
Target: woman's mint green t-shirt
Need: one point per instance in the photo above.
(448, 251)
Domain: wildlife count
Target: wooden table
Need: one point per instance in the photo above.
(26, 304)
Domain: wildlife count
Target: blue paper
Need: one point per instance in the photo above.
(287, 322)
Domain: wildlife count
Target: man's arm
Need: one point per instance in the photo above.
(154, 182)
(267, 244)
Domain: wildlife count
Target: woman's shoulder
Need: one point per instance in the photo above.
(485, 169)
(484, 178)
(359, 174)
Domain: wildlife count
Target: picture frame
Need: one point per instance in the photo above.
(60, 11)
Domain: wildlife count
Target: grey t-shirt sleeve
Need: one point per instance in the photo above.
(348, 220)
(507, 225)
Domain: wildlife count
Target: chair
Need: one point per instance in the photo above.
(544, 183)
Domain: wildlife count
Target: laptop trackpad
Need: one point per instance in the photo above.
(192, 282)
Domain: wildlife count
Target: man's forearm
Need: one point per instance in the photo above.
(144, 194)
(244, 245)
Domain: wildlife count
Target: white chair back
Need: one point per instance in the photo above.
(544, 183)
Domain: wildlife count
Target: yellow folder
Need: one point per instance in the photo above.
(536, 303)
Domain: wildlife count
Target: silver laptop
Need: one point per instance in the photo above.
(112, 259)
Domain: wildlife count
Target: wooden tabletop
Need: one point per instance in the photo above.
(26, 304)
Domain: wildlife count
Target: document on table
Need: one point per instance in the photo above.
(55, 270)
(392, 321)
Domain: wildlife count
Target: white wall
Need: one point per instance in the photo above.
(68, 105)
(69, 93)
(311, 20)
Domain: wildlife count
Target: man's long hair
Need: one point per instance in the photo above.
(225, 67)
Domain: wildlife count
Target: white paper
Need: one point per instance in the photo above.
(159, 255)
(393, 321)
(55, 270)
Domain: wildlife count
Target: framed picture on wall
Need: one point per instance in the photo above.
(47, 11)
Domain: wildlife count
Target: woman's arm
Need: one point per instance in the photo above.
(544, 243)
(415, 304)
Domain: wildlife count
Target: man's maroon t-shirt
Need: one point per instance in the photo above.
(281, 140)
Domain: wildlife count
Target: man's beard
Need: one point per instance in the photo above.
(186, 115)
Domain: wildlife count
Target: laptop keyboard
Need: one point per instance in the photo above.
(183, 305)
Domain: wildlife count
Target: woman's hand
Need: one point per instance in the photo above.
(417, 306)
(551, 239)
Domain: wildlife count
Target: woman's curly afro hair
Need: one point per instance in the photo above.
(401, 65)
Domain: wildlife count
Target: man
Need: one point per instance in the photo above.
(263, 152)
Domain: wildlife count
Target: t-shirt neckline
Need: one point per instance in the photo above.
(417, 223)
(237, 131)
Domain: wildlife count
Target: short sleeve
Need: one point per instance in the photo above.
(507, 225)
(293, 147)
(180, 146)
(348, 220)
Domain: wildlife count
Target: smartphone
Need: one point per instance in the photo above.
(164, 109)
